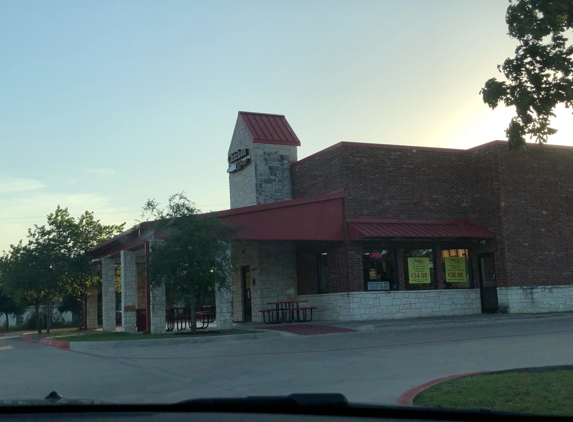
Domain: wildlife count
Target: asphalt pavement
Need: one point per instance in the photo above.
(375, 364)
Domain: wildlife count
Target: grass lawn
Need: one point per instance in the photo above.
(546, 391)
(107, 336)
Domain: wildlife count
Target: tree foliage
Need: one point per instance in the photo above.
(56, 260)
(10, 306)
(193, 258)
(540, 76)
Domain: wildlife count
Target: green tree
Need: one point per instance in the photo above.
(19, 275)
(9, 306)
(540, 76)
(193, 257)
(56, 261)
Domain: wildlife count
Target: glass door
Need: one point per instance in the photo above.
(488, 285)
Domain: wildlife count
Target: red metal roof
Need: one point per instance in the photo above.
(269, 128)
(416, 229)
(319, 217)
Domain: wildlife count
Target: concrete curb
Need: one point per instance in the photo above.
(85, 346)
(407, 398)
(416, 323)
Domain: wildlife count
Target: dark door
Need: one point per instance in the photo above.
(488, 285)
(246, 281)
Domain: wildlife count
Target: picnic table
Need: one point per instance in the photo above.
(287, 311)
(180, 317)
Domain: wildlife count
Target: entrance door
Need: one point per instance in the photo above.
(488, 285)
(246, 281)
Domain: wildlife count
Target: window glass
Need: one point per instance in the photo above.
(419, 269)
(379, 269)
(456, 266)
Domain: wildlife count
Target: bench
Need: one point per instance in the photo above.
(288, 315)
(270, 316)
(180, 318)
(303, 314)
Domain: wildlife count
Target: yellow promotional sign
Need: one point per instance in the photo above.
(419, 270)
(455, 269)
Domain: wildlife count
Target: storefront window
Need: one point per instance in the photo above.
(419, 269)
(456, 265)
(379, 269)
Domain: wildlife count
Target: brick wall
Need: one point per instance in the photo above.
(386, 182)
(537, 200)
(318, 174)
(526, 198)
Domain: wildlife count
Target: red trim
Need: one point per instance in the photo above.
(261, 114)
(340, 193)
(407, 398)
(416, 229)
(405, 221)
(264, 141)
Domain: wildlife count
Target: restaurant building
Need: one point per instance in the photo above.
(372, 231)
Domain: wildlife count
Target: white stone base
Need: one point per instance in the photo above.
(157, 305)
(223, 308)
(535, 299)
(356, 306)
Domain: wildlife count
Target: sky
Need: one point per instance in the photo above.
(105, 104)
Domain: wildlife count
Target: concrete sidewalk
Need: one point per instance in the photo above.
(413, 323)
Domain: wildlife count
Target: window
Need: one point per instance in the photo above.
(457, 270)
(419, 269)
(379, 269)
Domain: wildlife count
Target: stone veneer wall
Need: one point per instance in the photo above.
(356, 306)
(267, 178)
(242, 182)
(108, 294)
(534, 299)
(273, 274)
(128, 291)
(272, 172)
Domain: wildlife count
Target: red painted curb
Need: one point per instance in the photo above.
(58, 344)
(27, 337)
(407, 398)
(2, 334)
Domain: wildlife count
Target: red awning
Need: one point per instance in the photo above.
(416, 229)
(319, 217)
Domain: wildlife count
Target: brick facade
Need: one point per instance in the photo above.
(531, 211)
(524, 198)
